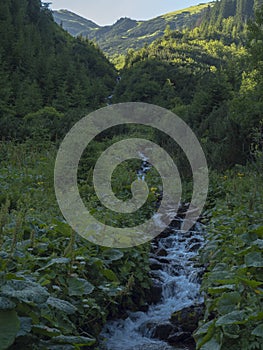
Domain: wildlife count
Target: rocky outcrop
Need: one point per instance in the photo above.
(178, 331)
(186, 322)
(187, 319)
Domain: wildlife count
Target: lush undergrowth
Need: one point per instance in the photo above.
(56, 289)
(233, 283)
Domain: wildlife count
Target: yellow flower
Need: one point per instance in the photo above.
(240, 175)
(40, 183)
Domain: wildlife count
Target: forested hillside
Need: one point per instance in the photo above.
(43, 66)
(58, 290)
(209, 81)
(229, 16)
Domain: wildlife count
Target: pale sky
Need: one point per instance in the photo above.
(105, 12)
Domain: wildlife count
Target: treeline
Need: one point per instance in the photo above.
(43, 66)
(215, 86)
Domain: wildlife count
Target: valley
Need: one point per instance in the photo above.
(201, 289)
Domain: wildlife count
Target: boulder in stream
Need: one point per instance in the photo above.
(187, 319)
(154, 295)
(162, 331)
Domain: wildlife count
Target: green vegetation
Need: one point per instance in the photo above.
(57, 290)
(215, 85)
(44, 66)
(233, 255)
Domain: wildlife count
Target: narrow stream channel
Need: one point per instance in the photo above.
(174, 268)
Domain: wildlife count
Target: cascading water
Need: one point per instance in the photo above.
(144, 167)
(176, 272)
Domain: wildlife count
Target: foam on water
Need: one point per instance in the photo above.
(180, 288)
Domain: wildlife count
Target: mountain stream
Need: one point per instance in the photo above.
(174, 267)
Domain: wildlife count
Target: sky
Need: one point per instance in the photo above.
(105, 12)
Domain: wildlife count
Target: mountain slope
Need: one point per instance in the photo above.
(127, 33)
(231, 13)
(43, 66)
(76, 25)
(202, 75)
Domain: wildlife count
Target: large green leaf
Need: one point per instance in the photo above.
(62, 227)
(26, 291)
(79, 286)
(259, 231)
(254, 259)
(234, 317)
(110, 275)
(232, 331)
(258, 331)
(256, 316)
(258, 243)
(57, 261)
(6, 304)
(62, 305)
(205, 327)
(47, 331)
(78, 341)
(113, 254)
(228, 302)
(211, 345)
(25, 326)
(9, 326)
(250, 283)
(221, 289)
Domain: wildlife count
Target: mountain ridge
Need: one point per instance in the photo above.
(128, 33)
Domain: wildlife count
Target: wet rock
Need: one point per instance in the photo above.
(154, 245)
(144, 308)
(180, 337)
(188, 234)
(195, 247)
(169, 242)
(161, 252)
(163, 331)
(155, 264)
(199, 276)
(164, 260)
(187, 319)
(194, 240)
(155, 274)
(146, 328)
(177, 268)
(155, 292)
(176, 223)
(165, 233)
